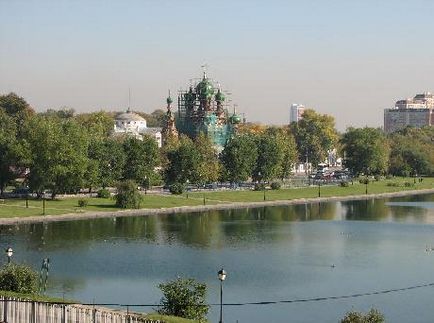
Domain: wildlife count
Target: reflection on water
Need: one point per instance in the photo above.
(270, 253)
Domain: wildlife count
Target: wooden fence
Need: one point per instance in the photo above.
(14, 310)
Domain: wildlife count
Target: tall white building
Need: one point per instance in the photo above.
(296, 112)
(416, 112)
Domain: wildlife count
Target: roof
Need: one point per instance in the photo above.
(129, 116)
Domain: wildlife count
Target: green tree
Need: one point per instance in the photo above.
(412, 152)
(184, 297)
(373, 316)
(128, 196)
(98, 124)
(141, 159)
(209, 167)
(16, 107)
(59, 150)
(62, 113)
(183, 163)
(18, 278)
(239, 157)
(315, 135)
(366, 150)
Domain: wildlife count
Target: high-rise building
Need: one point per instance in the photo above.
(296, 112)
(415, 112)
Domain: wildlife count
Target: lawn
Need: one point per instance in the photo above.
(17, 207)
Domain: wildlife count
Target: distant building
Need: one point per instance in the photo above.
(132, 124)
(416, 112)
(296, 112)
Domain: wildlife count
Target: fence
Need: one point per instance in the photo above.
(15, 310)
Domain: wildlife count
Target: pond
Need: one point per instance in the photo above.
(305, 252)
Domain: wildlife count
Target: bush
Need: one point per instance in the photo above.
(19, 279)
(344, 184)
(389, 176)
(259, 187)
(176, 188)
(184, 297)
(276, 186)
(364, 180)
(377, 177)
(394, 184)
(373, 316)
(82, 203)
(408, 184)
(103, 193)
(128, 196)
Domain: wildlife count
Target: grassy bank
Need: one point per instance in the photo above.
(17, 207)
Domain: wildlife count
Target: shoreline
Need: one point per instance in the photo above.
(200, 208)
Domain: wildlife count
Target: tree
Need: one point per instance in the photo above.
(128, 196)
(366, 150)
(184, 297)
(209, 167)
(412, 151)
(271, 153)
(16, 107)
(239, 157)
(373, 316)
(315, 135)
(98, 124)
(59, 149)
(183, 163)
(18, 278)
(141, 159)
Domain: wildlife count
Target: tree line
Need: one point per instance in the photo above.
(66, 152)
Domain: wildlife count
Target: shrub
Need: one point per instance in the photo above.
(344, 184)
(128, 196)
(394, 184)
(276, 186)
(259, 187)
(373, 316)
(377, 177)
(103, 193)
(184, 297)
(19, 279)
(408, 184)
(82, 203)
(389, 176)
(176, 188)
(364, 180)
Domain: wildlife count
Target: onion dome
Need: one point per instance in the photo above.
(219, 96)
(205, 89)
(235, 118)
(169, 100)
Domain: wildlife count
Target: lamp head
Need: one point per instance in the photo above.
(221, 274)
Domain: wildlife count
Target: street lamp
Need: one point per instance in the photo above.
(222, 276)
(319, 188)
(9, 254)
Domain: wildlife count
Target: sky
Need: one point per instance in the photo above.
(348, 59)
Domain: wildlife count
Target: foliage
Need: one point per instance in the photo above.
(259, 187)
(82, 202)
(183, 163)
(315, 135)
(366, 151)
(176, 188)
(373, 316)
(58, 154)
(62, 113)
(364, 180)
(239, 158)
(128, 196)
(209, 167)
(18, 278)
(184, 297)
(344, 184)
(276, 185)
(141, 158)
(154, 119)
(412, 151)
(17, 108)
(104, 193)
(270, 157)
(98, 124)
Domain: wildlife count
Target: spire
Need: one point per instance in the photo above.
(204, 66)
(169, 101)
(129, 100)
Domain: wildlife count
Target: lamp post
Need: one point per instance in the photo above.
(222, 276)
(319, 188)
(366, 184)
(9, 254)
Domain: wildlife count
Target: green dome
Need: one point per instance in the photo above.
(235, 119)
(219, 96)
(205, 89)
(169, 100)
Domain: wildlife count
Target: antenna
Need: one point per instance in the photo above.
(129, 100)
(204, 67)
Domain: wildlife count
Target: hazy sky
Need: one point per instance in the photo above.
(349, 59)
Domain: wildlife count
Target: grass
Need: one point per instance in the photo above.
(169, 319)
(17, 207)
